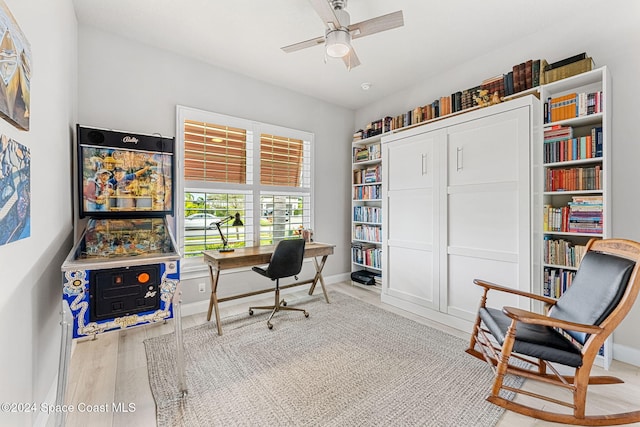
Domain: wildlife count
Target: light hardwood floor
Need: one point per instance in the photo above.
(113, 368)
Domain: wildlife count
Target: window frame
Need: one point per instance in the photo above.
(257, 188)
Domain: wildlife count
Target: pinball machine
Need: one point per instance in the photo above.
(124, 269)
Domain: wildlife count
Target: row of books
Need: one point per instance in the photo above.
(445, 105)
(574, 179)
(565, 150)
(369, 233)
(521, 77)
(573, 105)
(368, 175)
(556, 281)
(372, 129)
(360, 154)
(367, 214)
(366, 254)
(582, 215)
(370, 152)
(562, 252)
(367, 192)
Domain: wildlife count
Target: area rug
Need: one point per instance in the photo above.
(348, 364)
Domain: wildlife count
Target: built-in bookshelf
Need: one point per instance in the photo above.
(576, 176)
(366, 211)
(572, 186)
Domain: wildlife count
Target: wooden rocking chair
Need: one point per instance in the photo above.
(577, 325)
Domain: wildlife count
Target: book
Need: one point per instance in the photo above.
(568, 70)
(566, 61)
(535, 73)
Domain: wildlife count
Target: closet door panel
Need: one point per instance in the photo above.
(484, 150)
(463, 295)
(411, 215)
(484, 219)
(411, 276)
(411, 163)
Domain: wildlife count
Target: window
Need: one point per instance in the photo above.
(218, 158)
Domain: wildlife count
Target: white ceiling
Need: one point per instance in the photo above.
(245, 36)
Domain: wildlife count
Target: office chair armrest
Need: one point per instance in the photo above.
(493, 286)
(525, 316)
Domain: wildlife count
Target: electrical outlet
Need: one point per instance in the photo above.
(201, 287)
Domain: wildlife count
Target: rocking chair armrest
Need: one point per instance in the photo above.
(493, 286)
(525, 316)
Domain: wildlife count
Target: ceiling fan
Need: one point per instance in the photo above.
(340, 32)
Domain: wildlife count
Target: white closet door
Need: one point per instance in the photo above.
(488, 209)
(411, 182)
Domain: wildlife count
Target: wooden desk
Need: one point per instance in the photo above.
(257, 255)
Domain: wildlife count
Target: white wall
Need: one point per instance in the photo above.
(30, 268)
(129, 86)
(610, 35)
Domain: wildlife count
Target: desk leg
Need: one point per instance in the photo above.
(213, 302)
(319, 277)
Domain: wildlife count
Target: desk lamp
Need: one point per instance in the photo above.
(236, 223)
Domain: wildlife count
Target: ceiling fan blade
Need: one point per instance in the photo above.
(376, 25)
(324, 9)
(351, 60)
(303, 45)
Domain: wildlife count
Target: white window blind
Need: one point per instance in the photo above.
(281, 160)
(219, 162)
(214, 153)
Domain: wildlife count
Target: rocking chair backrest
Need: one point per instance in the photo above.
(595, 291)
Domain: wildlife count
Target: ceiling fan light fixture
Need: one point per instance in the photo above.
(338, 43)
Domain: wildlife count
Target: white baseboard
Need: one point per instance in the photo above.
(202, 306)
(626, 354)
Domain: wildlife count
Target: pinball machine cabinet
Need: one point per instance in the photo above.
(121, 273)
(124, 271)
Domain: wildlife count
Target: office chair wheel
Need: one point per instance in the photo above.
(306, 314)
(269, 325)
(250, 312)
(284, 303)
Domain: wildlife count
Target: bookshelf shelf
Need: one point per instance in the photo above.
(571, 234)
(575, 209)
(571, 193)
(367, 162)
(564, 267)
(366, 241)
(368, 266)
(573, 162)
(578, 121)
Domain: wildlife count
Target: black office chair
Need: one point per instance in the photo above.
(286, 261)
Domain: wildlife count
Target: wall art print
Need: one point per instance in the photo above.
(15, 71)
(15, 191)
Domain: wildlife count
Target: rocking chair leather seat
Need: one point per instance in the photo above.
(534, 340)
(572, 332)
